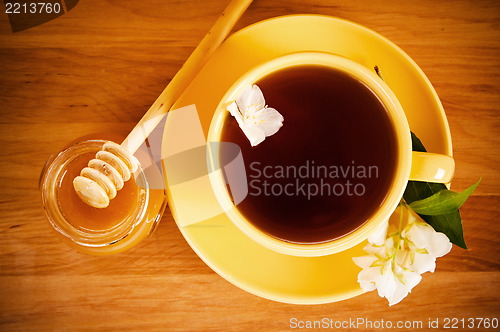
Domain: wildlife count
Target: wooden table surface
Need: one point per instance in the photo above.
(100, 66)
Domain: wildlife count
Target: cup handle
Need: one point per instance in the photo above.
(431, 167)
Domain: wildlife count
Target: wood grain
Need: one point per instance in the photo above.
(100, 66)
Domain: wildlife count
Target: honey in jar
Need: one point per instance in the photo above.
(130, 216)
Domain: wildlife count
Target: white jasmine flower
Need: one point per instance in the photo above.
(423, 263)
(405, 281)
(386, 282)
(368, 276)
(398, 256)
(425, 237)
(254, 117)
(380, 234)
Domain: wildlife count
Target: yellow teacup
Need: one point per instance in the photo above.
(410, 165)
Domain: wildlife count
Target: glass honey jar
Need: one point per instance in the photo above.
(130, 217)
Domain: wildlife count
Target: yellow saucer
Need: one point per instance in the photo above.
(218, 242)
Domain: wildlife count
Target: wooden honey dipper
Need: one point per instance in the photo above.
(114, 164)
(105, 175)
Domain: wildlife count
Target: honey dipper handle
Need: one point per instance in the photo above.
(186, 74)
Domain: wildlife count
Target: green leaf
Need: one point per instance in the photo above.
(416, 143)
(442, 202)
(450, 224)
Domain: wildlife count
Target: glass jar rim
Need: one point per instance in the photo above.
(51, 176)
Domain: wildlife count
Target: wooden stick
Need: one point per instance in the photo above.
(186, 74)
